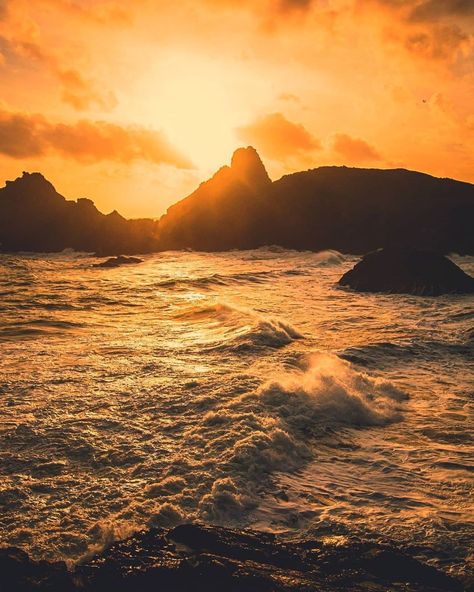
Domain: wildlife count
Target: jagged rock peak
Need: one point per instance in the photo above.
(248, 166)
(31, 182)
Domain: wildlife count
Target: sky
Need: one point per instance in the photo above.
(133, 104)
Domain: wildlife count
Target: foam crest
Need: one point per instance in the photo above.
(225, 502)
(330, 390)
(235, 328)
(327, 258)
(277, 427)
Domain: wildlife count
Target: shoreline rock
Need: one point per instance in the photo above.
(407, 271)
(351, 210)
(213, 559)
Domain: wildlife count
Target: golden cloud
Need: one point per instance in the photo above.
(278, 138)
(355, 150)
(80, 93)
(24, 135)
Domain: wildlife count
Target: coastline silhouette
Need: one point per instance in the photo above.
(352, 210)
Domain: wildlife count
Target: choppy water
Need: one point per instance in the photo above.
(244, 389)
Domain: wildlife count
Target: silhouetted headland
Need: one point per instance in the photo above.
(403, 271)
(213, 559)
(34, 217)
(346, 209)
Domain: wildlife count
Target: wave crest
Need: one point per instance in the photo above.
(239, 329)
(277, 427)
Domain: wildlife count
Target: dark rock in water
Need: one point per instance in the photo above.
(18, 573)
(213, 559)
(403, 271)
(118, 261)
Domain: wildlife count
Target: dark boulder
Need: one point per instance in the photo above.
(19, 573)
(405, 271)
(118, 261)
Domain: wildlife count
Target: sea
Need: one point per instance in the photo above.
(244, 389)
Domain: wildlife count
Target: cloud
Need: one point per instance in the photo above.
(439, 43)
(354, 150)
(3, 9)
(289, 5)
(83, 94)
(78, 92)
(18, 135)
(437, 30)
(277, 137)
(101, 12)
(436, 9)
(24, 135)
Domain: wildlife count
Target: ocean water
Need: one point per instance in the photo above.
(243, 389)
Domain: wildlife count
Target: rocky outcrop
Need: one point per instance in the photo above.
(225, 212)
(34, 217)
(212, 559)
(118, 261)
(347, 209)
(402, 271)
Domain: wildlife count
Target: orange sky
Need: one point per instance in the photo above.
(134, 103)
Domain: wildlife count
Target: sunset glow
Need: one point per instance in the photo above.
(373, 83)
(237, 281)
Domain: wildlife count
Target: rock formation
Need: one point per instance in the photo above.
(404, 271)
(224, 212)
(213, 559)
(345, 209)
(118, 261)
(34, 217)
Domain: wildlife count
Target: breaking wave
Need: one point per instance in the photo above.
(240, 329)
(276, 427)
(240, 441)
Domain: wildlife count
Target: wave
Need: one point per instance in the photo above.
(239, 329)
(37, 328)
(277, 427)
(241, 440)
(327, 257)
(216, 279)
(388, 353)
(304, 260)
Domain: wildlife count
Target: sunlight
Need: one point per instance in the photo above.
(199, 103)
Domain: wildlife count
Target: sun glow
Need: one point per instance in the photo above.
(198, 101)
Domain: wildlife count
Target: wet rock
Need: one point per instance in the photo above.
(211, 559)
(18, 573)
(118, 261)
(406, 271)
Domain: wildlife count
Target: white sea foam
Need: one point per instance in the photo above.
(241, 328)
(278, 426)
